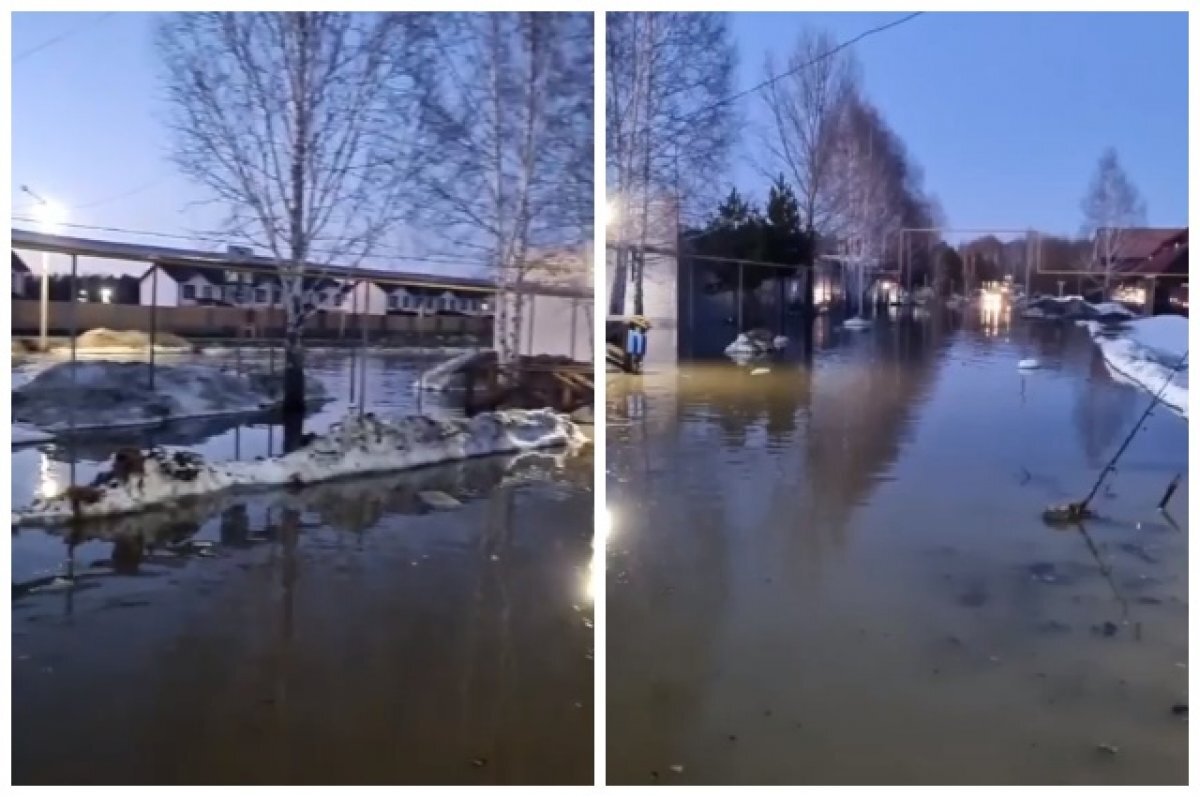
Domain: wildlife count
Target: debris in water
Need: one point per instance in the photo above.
(1108, 629)
(1067, 513)
(1029, 364)
(677, 769)
(1179, 709)
(1108, 748)
(436, 499)
(479, 762)
(760, 371)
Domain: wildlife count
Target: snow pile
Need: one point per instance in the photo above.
(357, 445)
(448, 375)
(1146, 354)
(755, 343)
(1075, 307)
(104, 393)
(126, 340)
(858, 322)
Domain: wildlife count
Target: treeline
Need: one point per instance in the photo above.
(90, 288)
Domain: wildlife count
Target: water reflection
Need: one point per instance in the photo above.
(319, 630)
(836, 572)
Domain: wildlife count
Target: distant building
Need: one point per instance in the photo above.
(412, 300)
(1152, 271)
(189, 286)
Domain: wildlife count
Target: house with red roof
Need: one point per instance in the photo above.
(1151, 270)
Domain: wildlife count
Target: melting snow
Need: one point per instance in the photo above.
(1146, 354)
(357, 445)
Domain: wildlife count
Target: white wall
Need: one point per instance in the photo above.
(167, 295)
(556, 325)
(365, 298)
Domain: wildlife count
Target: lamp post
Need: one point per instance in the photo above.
(50, 216)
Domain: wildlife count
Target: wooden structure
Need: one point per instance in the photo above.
(534, 382)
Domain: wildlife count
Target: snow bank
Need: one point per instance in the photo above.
(856, 323)
(1146, 353)
(357, 445)
(105, 393)
(126, 341)
(1075, 307)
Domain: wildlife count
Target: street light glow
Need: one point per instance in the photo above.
(50, 215)
(611, 213)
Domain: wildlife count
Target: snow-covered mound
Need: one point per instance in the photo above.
(857, 322)
(1147, 353)
(104, 393)
(448, 375)
(755, 343)
(126, 340)
(1075, 308)
(357, 445)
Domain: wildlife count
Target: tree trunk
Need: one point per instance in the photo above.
(293, 374)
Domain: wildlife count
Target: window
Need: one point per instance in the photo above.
(392, 301)
(338, 299)
(278, 294)
(260, 295)
(207, 292)
(189, 291)
(408, 302)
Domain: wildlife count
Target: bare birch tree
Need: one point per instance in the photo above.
(508, 123)
(1111, 206)
(669, 124)
(292, 121)
(806, 108)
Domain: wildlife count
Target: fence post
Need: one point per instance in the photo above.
(739, 299)
(153, 318)
(362, 371)
(74, 365)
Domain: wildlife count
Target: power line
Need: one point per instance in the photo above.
(60, 37)
(828, 54)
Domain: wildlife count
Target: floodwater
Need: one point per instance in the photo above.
(341, 633)
(836, 572)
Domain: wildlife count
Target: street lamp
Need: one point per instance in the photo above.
(50, 216)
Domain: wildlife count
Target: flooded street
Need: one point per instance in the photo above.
(836, 572)
(345, 632)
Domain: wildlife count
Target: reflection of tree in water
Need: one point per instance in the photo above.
(1104, 410)
(668, 563)
(862, 414)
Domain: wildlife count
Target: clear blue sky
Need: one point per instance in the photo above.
(1008, 113)
(88, 132)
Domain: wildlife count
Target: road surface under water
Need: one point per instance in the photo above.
(836, 572)
(342, 633)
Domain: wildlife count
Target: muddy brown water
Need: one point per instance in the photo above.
(836, 572)
(345, 633)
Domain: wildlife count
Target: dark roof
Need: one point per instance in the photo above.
(1170, 257)
(1139, 243)
(18, 264)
